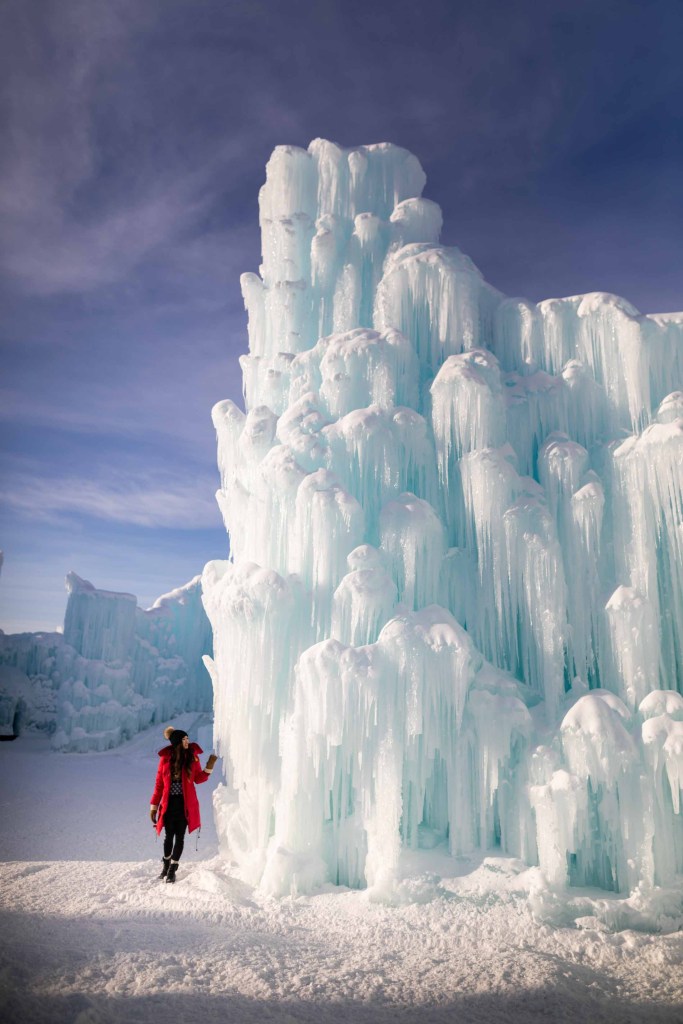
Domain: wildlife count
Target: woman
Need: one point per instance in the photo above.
(174, 803)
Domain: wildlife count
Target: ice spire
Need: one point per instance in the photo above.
(455, 602)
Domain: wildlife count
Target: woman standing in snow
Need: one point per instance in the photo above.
(174, 803)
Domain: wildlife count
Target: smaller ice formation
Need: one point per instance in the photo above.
(454, 607)
(115, 670)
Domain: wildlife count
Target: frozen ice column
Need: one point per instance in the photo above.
(99, 624)
(330, 434)
(412, 437)
(325, 229)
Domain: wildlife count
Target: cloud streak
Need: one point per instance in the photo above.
(141, 500)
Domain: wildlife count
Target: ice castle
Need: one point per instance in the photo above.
(116, 668)
(453, 612)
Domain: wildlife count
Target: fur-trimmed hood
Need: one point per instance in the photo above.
(166, 752)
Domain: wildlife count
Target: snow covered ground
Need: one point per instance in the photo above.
(88, 935)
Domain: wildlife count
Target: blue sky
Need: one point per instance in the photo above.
(136, 135)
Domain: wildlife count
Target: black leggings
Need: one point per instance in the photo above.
(175, 824)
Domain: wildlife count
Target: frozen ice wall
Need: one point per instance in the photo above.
(116, 669)
(454, 607)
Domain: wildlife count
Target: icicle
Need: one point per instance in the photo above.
(648, 483)
(536, 604)
(260, 626)
(364, 600)
(378, 454)
(518, 336)
(635, 644)
(536, 407)
(413, 539)
(583, 557)
(467, 414)
(601, 752)
(329, 525)
(437, 298)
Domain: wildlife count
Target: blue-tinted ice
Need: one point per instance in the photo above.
(454, 609)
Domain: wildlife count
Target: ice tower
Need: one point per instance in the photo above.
(454, 607)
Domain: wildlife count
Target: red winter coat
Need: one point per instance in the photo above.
(162, 787)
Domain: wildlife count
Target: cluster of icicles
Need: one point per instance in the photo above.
(454, 607)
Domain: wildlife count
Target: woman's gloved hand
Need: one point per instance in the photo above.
(210, 763)
(153, 815)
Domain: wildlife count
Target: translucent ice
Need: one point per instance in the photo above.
(364, 600)
(374, 753)
(264, 625)
(454, 607)
(437, 298)
(99, 624)
(116, 668)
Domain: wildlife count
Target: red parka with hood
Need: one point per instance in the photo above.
(162, 787)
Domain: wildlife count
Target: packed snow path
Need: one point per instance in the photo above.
(88, 935)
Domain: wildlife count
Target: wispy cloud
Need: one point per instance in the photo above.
(141, 500)
(48, 253)
(168, 402)
(78, 212)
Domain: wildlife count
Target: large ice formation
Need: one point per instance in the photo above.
(116, 669)
(454, 607)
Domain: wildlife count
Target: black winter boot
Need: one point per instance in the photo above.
(166, 862)
(170, 877)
